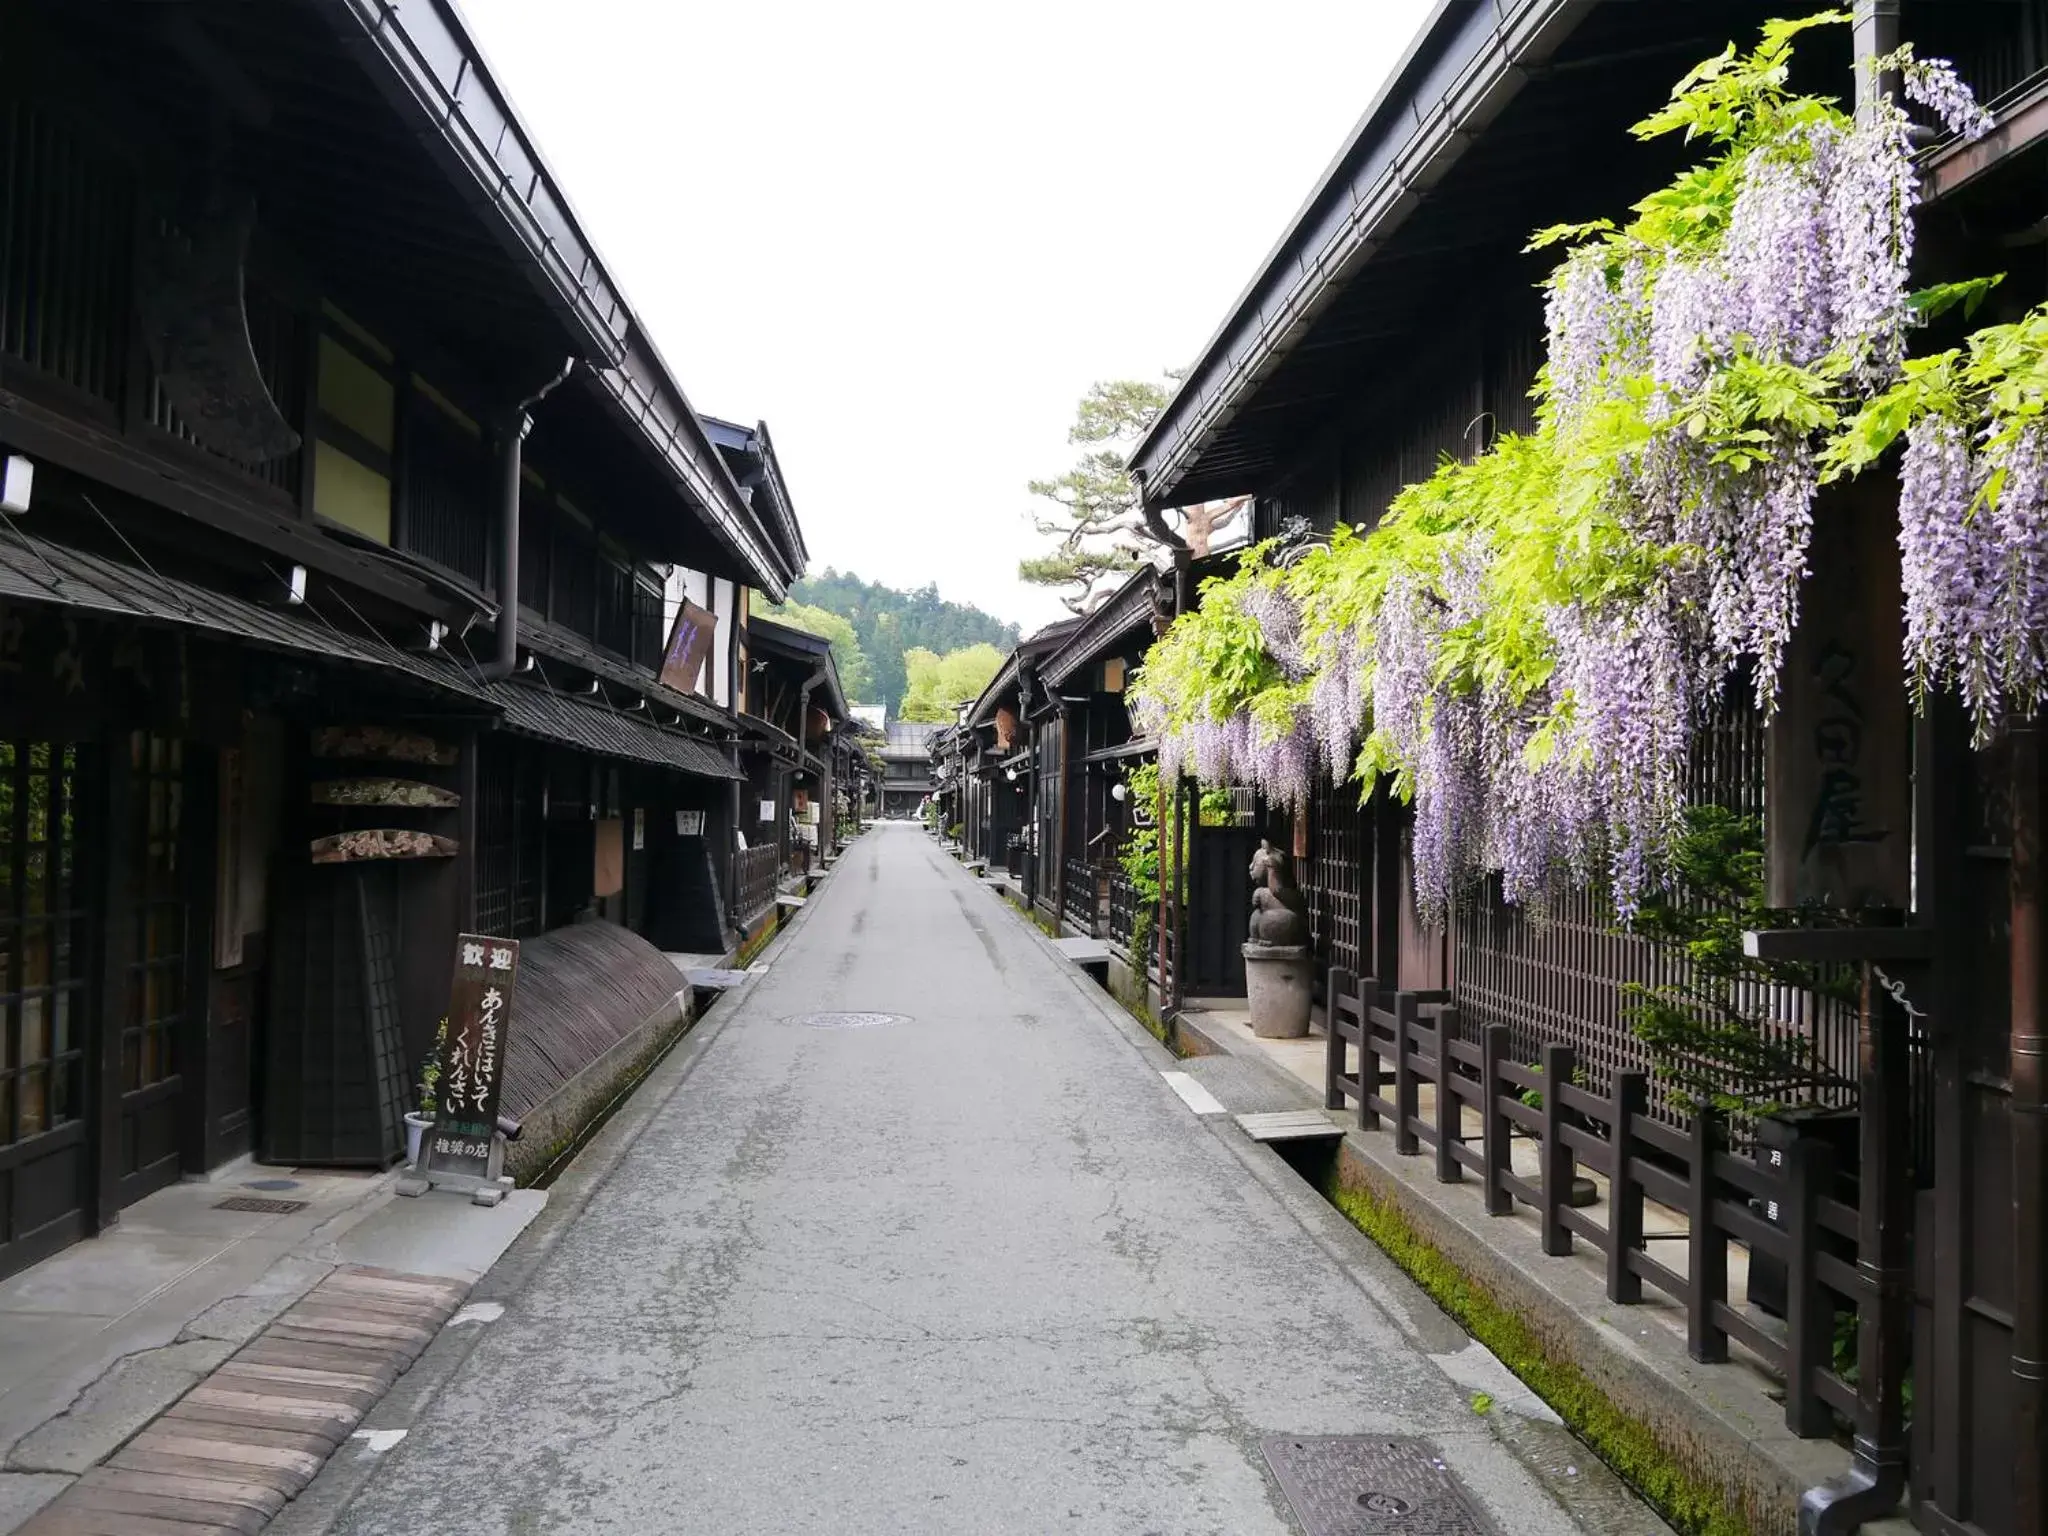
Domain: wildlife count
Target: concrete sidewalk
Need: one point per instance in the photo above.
(98, 1340)
(958, 1259)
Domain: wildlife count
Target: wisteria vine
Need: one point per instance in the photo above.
(1528, 641)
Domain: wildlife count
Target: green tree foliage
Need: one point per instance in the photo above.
(856, 674)
(1094, 514)
(939, 684)
(888, 621)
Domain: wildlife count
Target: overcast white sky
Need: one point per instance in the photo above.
(909, 235)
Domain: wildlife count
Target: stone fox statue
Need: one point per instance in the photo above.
(1279, 915)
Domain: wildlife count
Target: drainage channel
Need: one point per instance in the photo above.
(626, 1090)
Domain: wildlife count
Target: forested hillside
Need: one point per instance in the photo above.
(888, 621)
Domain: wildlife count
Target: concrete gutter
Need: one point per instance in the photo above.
(562, 1116)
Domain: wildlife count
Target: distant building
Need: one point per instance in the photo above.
(906, 766)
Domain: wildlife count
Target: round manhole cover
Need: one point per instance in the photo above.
(846, 1020)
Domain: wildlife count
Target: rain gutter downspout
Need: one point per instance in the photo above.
(511, 436)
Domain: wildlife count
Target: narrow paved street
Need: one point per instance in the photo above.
(976, 1269)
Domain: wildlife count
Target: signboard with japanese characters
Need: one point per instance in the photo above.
(479, 1016)
(1839, 752)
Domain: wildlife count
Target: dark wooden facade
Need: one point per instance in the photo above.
(270, 736)
(1393, 328)
(799, 751)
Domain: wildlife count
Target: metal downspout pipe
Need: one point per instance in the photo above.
(511, 438)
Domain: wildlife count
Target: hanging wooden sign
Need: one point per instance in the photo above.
(473, 1072)
(377, 743)
(689, 644)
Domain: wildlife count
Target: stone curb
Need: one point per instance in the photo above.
(231, 1451)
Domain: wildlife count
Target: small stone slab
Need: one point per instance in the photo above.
(1083, 951)
(227, 1455)
(1290, 1125)
(787, 900)
(712, 979)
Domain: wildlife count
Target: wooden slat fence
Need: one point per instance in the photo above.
(1080, 894)
(1487, 1100)
(757, 870)
(1123, 909)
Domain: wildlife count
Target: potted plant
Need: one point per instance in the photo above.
(419, 1121)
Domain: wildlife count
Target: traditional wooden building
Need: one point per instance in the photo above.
(798, 750)
(999, 778)
(332, 620)
(1399, 320)
(906, 766)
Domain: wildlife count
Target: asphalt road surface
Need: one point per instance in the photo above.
(970, 1268)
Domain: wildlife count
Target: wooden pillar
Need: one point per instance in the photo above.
(1064, 718)
(199, 848)
(1388, 881)
(1169, 852)
(2029, 1137)
(116, 880)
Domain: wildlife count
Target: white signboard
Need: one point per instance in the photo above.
(767, 810)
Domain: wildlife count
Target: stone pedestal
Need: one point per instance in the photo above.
(1279, 983)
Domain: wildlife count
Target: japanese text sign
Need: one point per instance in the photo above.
(473, 1070)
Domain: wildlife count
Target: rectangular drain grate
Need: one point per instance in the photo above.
(1371, 1485)
(258, 1206)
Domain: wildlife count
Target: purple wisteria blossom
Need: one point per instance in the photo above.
(1974, 568)
(1935, 85)
(1337, 704)
(1588, 775)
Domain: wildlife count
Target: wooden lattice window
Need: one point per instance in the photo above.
(157, 995)
(43, 924)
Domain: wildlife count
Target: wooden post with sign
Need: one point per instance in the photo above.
(464, 1151)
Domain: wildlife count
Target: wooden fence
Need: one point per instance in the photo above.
(1123, 910)
(757, 869)
(1486, 1101)
(1080, 894)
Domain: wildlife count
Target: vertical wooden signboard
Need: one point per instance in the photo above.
(472, 1075)
(1838, 794)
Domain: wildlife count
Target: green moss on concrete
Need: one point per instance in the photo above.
(536, 1165)
(750, 950)
(1692, 1506)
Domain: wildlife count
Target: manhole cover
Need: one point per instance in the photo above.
(1371, 1485)
(258, 1206)
(845, 1020)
